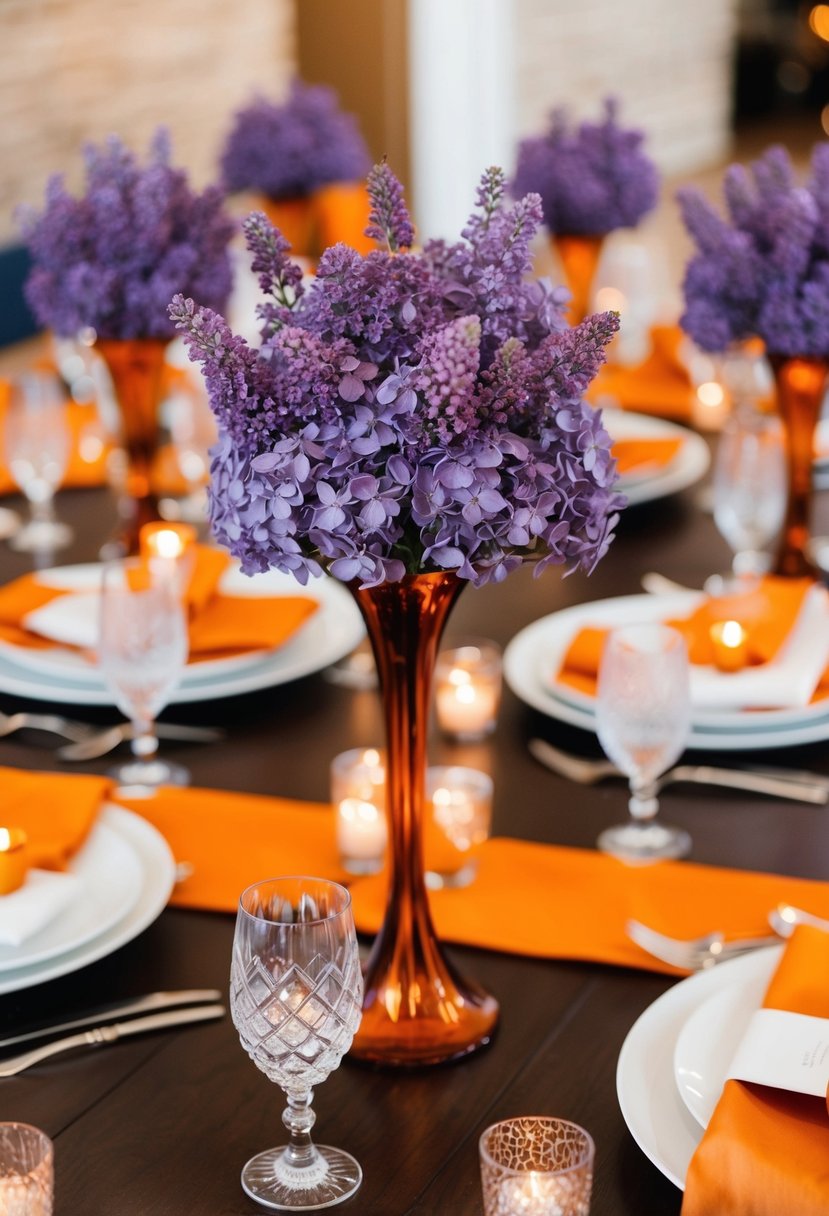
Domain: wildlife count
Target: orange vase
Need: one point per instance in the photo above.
(417, 1010)
(800, 387)
(343, 210)
(294, 217)
(579, 259)
(136, 366)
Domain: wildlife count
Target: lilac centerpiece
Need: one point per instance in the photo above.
(112, 258)
(764, 270)
(592, 178)
(290, 150)
(408, 412)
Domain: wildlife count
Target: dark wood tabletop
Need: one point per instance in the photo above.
(161, 1125)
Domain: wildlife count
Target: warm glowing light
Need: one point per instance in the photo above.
(819, 21)
(711, 394)
(610, 299)
(5, 840)
(732, 633)
(729, 643)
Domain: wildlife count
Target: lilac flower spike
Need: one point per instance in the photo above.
(763, 270)
(408, 412)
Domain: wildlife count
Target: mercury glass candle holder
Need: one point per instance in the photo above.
(26, 1170)
(358, 795)
(468, 690)
(536, 1166)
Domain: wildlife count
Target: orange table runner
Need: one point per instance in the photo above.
(765, 1151)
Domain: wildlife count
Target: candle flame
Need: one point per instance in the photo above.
(733, 634)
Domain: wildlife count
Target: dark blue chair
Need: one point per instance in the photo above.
(16, 321)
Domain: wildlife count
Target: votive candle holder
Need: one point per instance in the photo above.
(457, 822)
(468, 690)
(26, 1171)
(536, 1166)
(358, 795)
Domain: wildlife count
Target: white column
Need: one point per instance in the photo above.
(461, 72)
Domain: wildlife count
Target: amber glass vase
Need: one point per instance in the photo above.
(800, 387)
(296, 220)
(136, 366)
(417, 1010)
(579, 257)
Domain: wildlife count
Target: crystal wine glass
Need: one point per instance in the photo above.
(142, 649)
(295, 997)
(749, 488)
(643, 715)
(37, 452)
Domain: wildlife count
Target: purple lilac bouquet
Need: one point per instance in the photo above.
(289, 150)
(592, 178)
(764, 271)
(112, 258)
(408, 412)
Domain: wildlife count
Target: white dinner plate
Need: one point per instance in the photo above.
(688, 466)
(655, 1114)
(535, 654)
(110, 877)
(707, 1042)
(332, 632)
(157, 879)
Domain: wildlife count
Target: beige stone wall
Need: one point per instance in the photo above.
(669, 62)
(75, 70)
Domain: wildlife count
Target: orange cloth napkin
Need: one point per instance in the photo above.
(219, 624)
(766, 1151)
(574, 903)
(659, 385)
(55, 810)
(232, 840)
(767, 614)
(635, 455)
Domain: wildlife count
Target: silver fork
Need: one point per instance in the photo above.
(696, 953)
(53, 724)
(98, 743)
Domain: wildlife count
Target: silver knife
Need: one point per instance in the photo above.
(138, 1004)
(110, 1034)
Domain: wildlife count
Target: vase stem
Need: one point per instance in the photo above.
(416, 1009)
(801, 385)
(579, 258)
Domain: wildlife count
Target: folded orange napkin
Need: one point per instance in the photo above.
(55, 810)
(659, 385)
(219, 624)
(767, 614)
(766, 1151)
(635, 455)
(232, 840)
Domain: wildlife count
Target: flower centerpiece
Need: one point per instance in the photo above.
(288, 152)
(108, 261)
(592, 179)
(764, 272)
(412, 422)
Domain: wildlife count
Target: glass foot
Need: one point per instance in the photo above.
(639, 843)
(41, 536)
(273, 1183)
(147, 775)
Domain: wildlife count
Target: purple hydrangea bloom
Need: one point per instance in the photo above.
(592, 178)
(288, 150)
(764, 270)
(112, 258)
(408, 412)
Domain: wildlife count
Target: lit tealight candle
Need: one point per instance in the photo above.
(457, 822)
(358, 792)
(468, 690)
(730, 645)
(169, 549)
(13, 859)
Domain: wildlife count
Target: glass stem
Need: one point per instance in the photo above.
(299, 1118)
(42, 510)
(643, 803)
(144, 742)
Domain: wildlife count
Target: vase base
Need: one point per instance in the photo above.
(420, 1042)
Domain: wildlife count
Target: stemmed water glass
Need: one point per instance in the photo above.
(749, 488)
(37, 452)
(142, 649)
(643, 716)
(295, 997)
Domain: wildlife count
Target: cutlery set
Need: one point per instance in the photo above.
(86, 742)
(702, 953)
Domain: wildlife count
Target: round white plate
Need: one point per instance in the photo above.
(110, 877)
(707, 1042)
(656, 1116)
(157, 879)
(535, 654)
(332, 632)
(688, 466)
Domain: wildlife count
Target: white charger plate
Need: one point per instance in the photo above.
(688, 466)
(655, 1114)
(535, 654)
(110, 876)
(157, 880)
(332, 632)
